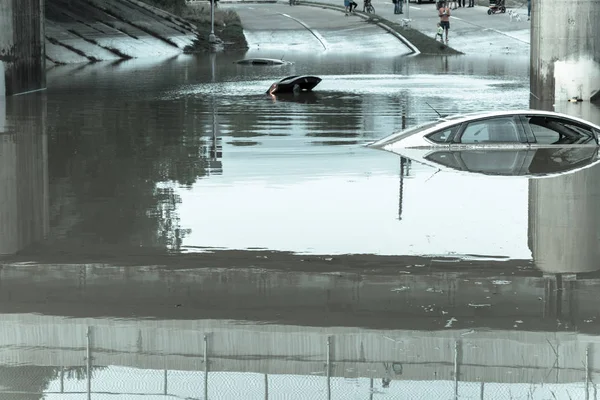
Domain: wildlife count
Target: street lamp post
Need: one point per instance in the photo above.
(212, 38)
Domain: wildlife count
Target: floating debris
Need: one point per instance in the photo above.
(449, 322)
(479, 305)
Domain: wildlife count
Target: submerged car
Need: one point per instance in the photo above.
(294, 84)
(261, 61)
(522, 142)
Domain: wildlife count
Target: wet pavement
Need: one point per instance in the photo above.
(473, 31)
(168, 229)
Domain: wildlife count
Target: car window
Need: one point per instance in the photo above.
(443, 136)
(445, 158)
(560, 158)
(504, 162)
(548, 130)
(493, 130)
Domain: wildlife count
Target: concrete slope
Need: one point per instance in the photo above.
(96, 30)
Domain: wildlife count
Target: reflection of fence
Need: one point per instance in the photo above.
(324, 370)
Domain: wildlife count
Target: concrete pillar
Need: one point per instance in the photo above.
(564, 215)
(22, 45)
(24, 203)
(2, 88)
(565, 49)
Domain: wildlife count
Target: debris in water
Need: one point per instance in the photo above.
(450, 321)
(479, 305)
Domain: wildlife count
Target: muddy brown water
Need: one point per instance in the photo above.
(187, 214)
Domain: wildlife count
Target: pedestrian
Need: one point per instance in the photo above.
(350, 5)
(461, 2)
(471, 3)
(440, 33)
(444, 14)
(528, 10)
(397, 6)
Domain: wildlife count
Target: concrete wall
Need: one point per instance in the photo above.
(23, 174)
(484, 356)
(22, 45)
(565, 49)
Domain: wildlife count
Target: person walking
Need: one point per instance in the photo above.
(471, 3)
(528, 10)
(444, 14)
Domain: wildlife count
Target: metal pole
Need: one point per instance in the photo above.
(211, 37)
(401, 193)
(62, 379)
(88, 364)
(328, 367)
(266, 387)
(205, 366)
(456, 370)
(407, 9)
(587, 373)
(371, 391)
(165, 392)
(481, 390)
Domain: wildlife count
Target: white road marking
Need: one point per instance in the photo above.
(490, 29)
(316, 34)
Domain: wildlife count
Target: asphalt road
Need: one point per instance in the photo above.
(280, 27)
(472, 30)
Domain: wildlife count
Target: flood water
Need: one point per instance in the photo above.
(168, 229)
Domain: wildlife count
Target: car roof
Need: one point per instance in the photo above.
(486, 114)
(451, 120)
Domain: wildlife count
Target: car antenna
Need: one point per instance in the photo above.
(436, 111)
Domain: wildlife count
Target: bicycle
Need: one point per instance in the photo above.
(368, 7)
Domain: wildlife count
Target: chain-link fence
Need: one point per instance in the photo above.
(311, 365)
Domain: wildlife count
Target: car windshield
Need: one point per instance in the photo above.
(407, 132)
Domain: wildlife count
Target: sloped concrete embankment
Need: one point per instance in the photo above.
(80, 31)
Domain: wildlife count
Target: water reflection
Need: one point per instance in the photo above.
(23, 173)
(512, 162)
(153, 331)
(139, 152)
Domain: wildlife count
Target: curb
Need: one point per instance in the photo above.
(412, 47)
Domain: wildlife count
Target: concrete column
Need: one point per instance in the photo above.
(24, 212)
(22, 45)
(565, 49)
(2, 90)
(564, 215)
